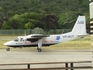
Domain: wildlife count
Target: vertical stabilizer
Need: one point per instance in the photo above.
(80, 26)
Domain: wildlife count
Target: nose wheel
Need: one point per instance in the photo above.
(8, 49)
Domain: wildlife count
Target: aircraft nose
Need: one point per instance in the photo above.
(6, 43)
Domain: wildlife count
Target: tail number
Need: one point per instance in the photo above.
(68, 36)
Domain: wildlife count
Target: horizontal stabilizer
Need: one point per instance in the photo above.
(82, 35)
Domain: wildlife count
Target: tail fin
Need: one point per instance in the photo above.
(80, 26)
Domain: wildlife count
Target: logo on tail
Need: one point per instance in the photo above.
(80, 22)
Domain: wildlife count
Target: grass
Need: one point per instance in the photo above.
(84, 43)
(4, 39)
(74, 45)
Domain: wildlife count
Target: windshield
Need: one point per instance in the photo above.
(16, 40)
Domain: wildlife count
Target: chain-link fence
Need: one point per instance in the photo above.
(33, 31)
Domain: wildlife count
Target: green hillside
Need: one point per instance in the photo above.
(47, 14)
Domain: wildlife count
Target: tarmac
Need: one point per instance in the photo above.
(31, 55)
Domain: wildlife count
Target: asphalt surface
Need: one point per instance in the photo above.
(30, 55)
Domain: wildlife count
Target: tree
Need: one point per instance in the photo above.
(67, 20)
(80, 1)
(29, 25)
(50, 21)
(6, 25)
(26, 20)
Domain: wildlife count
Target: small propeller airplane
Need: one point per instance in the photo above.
(39, 40)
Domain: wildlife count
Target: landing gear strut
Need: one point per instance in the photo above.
(8, 49)
(39, 45)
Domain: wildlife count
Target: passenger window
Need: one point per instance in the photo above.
(22, 39)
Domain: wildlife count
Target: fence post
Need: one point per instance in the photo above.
(71, 65)
(28, 66)
(66, 65)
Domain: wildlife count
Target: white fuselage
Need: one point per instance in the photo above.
(52, 39)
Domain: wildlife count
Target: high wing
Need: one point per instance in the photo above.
(35, 37)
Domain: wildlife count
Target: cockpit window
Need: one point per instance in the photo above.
(19, 39)
(16, 40)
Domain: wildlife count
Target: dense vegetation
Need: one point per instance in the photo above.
(46, 14)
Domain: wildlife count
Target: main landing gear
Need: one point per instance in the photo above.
(39, 49)
(8, 49)
(39, 45)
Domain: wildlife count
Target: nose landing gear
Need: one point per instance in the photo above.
(8, 49)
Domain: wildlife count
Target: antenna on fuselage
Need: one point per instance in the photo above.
(25, 35)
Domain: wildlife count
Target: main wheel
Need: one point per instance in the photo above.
(39, 50)
(8, 49)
